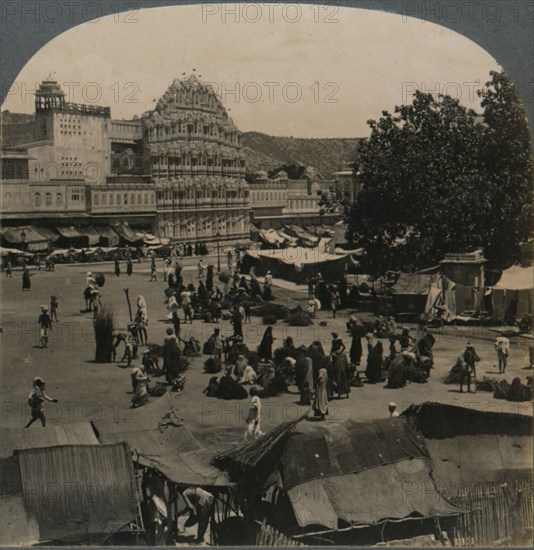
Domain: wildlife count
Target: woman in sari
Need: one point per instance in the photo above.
(171, 356)
(341, 371)
(320, 402)
(265, 349)
(141, 388)
(306, 386)
(374, 364)
(356, 344)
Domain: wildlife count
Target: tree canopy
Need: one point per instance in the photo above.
(435, 180)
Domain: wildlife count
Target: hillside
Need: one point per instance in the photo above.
(264, 152)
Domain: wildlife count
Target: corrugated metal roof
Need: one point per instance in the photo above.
(79, 493)
(17, 439)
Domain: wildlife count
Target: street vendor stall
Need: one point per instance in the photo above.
(296, 264)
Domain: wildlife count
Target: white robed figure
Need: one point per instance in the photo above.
(253, 420)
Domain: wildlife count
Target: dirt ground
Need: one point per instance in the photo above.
(88, 391)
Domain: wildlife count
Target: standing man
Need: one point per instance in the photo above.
(217, 343)
(54, 306)
(35, 401)
(502, 347)
(237, 322)
(465, 376)
(45, 324)
(200, 269)
(471, 358)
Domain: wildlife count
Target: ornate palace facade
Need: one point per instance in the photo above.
(194, 152)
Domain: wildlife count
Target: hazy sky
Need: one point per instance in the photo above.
(317, 73)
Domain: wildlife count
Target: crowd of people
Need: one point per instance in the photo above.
(319, 376)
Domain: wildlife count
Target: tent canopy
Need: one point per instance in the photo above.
(413, 283)
(107, 233)
(31, 235)
(156, 434)
(315, 452)
(127, 233)
(296, 263)
(355, 473)
(516, 278)
(270, 236)
(91, 233)
(69, 232)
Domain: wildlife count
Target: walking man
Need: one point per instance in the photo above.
(45, 324)
(502, 347)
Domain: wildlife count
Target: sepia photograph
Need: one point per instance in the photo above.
(267, 273)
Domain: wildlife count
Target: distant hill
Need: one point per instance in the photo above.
(16, 118)
(264, 152)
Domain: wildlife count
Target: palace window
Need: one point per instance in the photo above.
(96, 199)
(111, 196)
(37, 199)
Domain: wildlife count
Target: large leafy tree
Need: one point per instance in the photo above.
(428, 187)
(507, 159)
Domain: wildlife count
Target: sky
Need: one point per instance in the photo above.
(285, 70)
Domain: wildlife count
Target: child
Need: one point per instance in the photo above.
(54, 305)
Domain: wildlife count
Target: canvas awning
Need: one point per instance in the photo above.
(392, 492)
(301, 233)
(28, 234)
(413, 283)
(6, 251)
(69, 232)
(49, 234)
(125, 231)
(160, 441)
(295, 263)
(516, 278)
(270, 236)
(91, 233)
(327, 469)
(108, 233)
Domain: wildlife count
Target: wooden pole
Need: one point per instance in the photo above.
(127, 292)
